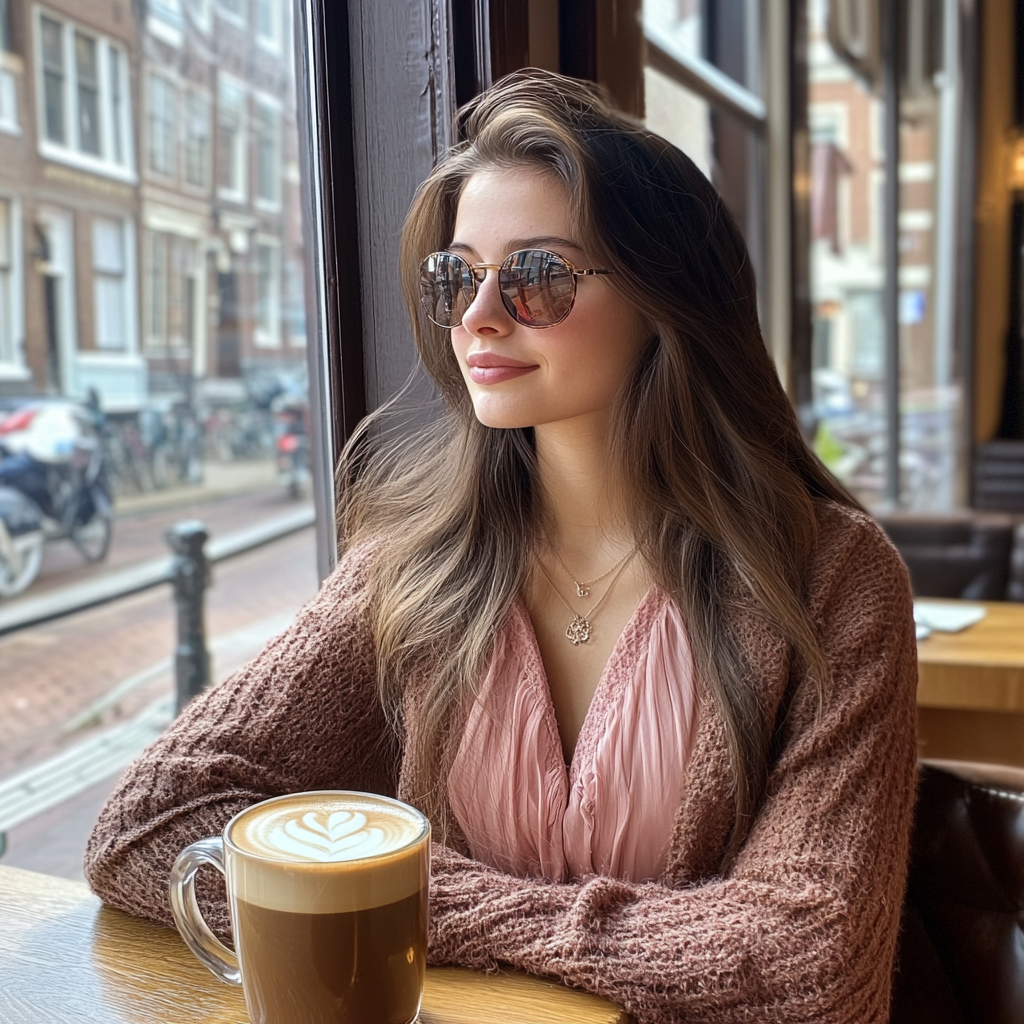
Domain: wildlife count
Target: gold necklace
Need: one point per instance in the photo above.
(583, 589)
(579, 630)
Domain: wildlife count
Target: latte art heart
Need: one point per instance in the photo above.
(333, 832)
(344, 836)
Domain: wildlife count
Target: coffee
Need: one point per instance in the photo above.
(328, 897)
(329, 901)
(363, 966)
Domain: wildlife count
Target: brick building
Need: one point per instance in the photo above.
(150, 226)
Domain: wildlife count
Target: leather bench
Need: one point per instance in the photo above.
(962, 555)
(961, 953)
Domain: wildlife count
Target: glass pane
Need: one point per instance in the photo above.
(111, 330)
(5, 25)
(116, 106)
(108, 246)
(164, 319)
(5, 233)
(267, 158)
(230, 138)
(848, 173)
(726, 33)
(88, 94)
(197, 139)
(726, 151)
(265, 17)
(53, 78)
(162, 126)
(848, 170)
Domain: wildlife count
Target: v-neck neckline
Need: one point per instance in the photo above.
(605, 692)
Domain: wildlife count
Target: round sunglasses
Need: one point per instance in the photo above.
(537, 287)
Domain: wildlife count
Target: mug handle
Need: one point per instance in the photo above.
(218, 958)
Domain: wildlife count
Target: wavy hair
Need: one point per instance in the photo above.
(722, 483)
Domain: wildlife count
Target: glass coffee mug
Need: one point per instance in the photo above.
(328, 899)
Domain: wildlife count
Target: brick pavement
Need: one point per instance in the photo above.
(52, 672)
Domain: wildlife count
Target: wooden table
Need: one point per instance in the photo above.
(970, 692)
(66, 958)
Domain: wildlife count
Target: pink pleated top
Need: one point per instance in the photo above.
(610, 812)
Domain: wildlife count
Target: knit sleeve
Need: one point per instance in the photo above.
(803, 927)
(303, 715)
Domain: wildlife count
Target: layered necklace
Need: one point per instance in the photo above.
(579, 630)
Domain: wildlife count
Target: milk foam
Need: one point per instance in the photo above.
(327, 852)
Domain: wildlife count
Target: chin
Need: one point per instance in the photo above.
(502, 421)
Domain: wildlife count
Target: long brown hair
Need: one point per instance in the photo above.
(724, 485)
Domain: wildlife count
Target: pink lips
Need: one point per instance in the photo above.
(491, 368)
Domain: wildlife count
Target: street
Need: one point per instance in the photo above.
(56, 673)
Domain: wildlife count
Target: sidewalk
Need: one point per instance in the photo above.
(220, 480)
(76, 680)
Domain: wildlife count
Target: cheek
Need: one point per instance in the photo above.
(459, 341)
(604, 342)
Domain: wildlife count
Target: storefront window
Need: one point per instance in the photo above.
(848, 268)
(160, 309)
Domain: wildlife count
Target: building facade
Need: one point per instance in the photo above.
(150, 218)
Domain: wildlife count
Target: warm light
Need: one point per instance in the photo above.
(1017, 164)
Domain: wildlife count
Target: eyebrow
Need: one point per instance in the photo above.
(554, 242)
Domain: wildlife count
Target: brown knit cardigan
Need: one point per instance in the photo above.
(803, 925)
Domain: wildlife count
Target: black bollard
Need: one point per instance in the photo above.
(191, 574)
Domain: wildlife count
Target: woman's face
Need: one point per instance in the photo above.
(526, 377)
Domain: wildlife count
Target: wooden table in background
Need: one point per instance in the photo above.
(65, 959)
(970, 693)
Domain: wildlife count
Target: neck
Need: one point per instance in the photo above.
(587, 518)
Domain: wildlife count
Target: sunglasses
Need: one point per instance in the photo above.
(537, 287)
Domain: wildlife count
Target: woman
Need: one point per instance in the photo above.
(646, 665)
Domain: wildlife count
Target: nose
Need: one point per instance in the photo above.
(486, 314)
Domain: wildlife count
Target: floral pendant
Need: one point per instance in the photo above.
(578, 631)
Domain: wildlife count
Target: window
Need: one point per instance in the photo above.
(295, 303)
(83, 89)
(8, 103)
(197, 139)
(171, 268)
(162, 123)
(117, 111)
(5, 26)
(267, 20)
(8, 330)
(87, 78)
(156, 265)
(110, 278)
(231, 176)
(702, 92)
(199, 11)
(268, 153)
(268, 294)
(168, 11)
(233, 10)
(53, 78)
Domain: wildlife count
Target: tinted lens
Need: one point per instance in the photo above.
(446, 288)
(537, 287)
